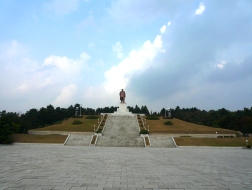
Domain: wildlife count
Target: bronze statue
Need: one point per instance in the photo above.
(122, 96)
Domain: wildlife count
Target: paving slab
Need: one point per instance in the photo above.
(45, 166)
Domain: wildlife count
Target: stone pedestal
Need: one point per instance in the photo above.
(122, 110)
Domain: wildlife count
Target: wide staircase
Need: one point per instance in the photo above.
(78, 140)
(161, 141)
(121, 131)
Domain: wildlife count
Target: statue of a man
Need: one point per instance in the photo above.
(122, 96)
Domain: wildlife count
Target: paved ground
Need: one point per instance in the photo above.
(29, 166)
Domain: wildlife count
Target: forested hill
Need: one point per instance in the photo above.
(240, 120)
(11, 122)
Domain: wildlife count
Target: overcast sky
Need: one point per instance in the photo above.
(185, 53)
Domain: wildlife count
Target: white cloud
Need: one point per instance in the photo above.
(24, 80)
(67, 65)
(138, 60)
(117, 47)
(200, 10)
(54, 71)
(63, 7)
(15, 64)
(221, 65)
(163, 29)
(169, 23)
(13, 49)
(66, 96)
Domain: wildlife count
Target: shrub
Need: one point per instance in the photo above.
(248, 146)
(168, 123)
(143, 131)
(76, 122)
(92, 117)
(152, 118)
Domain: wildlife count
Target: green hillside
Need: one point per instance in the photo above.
(87, 125)
(182, 127)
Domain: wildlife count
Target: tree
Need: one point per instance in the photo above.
(162, 112)
(137, 109)
(145, 110)
(5, 129)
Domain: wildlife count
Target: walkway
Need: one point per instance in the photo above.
(43, 166)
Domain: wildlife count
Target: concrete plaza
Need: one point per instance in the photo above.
(48, 166)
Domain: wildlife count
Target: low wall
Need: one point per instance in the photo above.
(57, 132)
(194, 135)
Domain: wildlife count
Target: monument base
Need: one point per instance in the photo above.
(123, 110)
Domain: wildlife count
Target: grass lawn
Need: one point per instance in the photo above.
(182, 127)
(227, 142)
(86, 126)
(28, 138)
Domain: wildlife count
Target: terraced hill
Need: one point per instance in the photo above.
(182, 127)
(86, 126)
(156, 126)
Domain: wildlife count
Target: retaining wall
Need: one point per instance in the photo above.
(194, 135)
(57, 132)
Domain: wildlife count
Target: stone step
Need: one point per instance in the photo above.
(116, 141)
(121, 131)
(121, 125)
(161, 141)
(78, 140)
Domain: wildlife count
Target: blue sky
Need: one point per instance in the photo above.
(185, 53)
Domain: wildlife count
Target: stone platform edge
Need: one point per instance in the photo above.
(123, 114)
(33, 132)
(191, 135)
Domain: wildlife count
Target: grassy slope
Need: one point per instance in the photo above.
(156, 126)
(182, 127)
(231, 142)
(86, 126)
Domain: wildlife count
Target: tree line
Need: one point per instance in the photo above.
(12, 122)
(240, 120)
